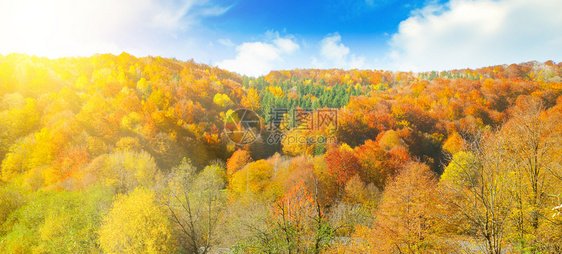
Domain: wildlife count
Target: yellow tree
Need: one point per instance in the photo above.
(136, 224)
(237, 161)
(128, 170)
(222, 100)
(298, 142)
(20, 118)
(479, 185)
(407, 220)
(196, 202)
(251, 100)
(254, 177)
(533, 137)
(16, 162)
(454, 143)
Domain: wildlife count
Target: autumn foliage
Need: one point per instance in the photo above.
(342, 164)
(408, 218)
(114, 153)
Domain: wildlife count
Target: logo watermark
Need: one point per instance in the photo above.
(242, 126)
(298, 138)
(281, 119)
(287, 126)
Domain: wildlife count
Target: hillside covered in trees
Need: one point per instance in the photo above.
(118, 154)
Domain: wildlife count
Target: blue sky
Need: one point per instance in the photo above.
(253, 37)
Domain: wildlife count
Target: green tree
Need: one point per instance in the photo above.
(56, 222)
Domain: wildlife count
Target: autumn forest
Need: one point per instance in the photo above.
(119, 154)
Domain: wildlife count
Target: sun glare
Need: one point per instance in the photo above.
(56, 29)
(32, 25)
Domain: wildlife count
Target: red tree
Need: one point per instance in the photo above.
(342, 164)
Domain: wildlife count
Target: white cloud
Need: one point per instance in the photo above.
(226, 42)
(286, 45)
(68, 27)
(478, 33)
(258, 58)
(333, 50)
(334, 54)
